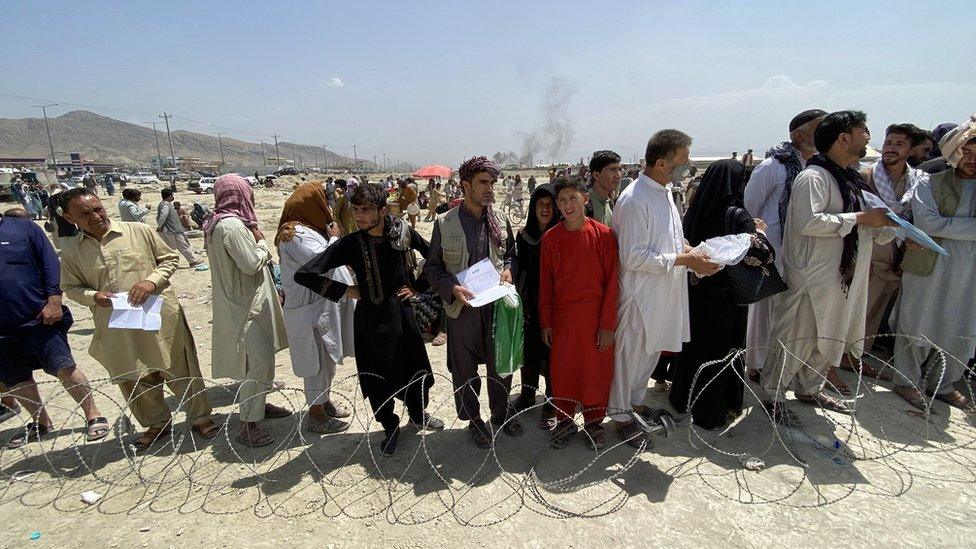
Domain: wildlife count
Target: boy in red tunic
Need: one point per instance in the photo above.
(578, 312)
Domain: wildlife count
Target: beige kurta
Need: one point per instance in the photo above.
(127, 254)
(814, 319)
(246, 312)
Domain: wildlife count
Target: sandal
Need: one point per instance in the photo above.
(954, 399)
(254, 438)
(561, 435)
(98, 429)
(479, 434)
(31, 430)
(633, 435)
(781, 415)
(441, 339)
(207, 429)
(912, 396)
(826, 402)
(429, 423)
(511, 427)
(332, 410)
(547, 421)
(596, 437)
(275, 412)
(327, 425)
(862, 368)
(836, 384)
(151, 436)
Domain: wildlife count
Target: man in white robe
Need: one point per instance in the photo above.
(320, 331)
(935, 306)
(827, 244)
(763, 195)
(652, 309)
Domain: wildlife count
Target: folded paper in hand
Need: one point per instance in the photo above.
(728, 249)
(142, 317)
(484, 282)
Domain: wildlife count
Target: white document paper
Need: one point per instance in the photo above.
(728, 249)
(484, 282)
(143, 317)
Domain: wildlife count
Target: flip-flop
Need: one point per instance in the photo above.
(98, 429)
(32, 430)
(595, 436)
(825, 402)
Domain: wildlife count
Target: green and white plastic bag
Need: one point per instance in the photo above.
(508, 335)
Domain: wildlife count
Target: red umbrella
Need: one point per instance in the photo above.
(433, 170)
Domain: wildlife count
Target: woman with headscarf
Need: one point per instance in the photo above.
(199, 214)
(542, 215)
(320, 332)
(248, 328)
(718, 324)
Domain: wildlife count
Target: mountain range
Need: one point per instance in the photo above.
(103, 139)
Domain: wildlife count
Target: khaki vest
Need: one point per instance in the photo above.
(947, 190)
(454, 248)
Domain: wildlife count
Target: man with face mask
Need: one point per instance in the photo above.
(827, 245)
(763, 195)
(937, 290)
(463, 236)
(652, 311)
(894, 180)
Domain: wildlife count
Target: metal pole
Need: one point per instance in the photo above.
(264, 157)
(277, 156)
(48, 128)
(169, 137)
(159, 156)
(325, 156)
(294, 156)
(355, 157)
(374, 164)
(220, 143)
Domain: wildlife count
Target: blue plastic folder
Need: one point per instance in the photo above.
(916, 234)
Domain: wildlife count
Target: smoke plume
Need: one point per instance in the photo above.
(548, 142)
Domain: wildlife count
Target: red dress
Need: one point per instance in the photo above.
(577, 298)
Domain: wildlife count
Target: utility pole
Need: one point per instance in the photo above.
(169, 137)
(159, 156)
(384, 161)
(315, 153)
(374, 164)
(355, 157)
(48, 128)
(325, 156)
(277, 157)
(264, 157)
(294, 156)
(220, 143)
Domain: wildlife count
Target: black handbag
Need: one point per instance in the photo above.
(751, 283)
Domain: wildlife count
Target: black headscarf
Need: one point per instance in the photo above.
(532, 231)
(721, 187)
(850, 184)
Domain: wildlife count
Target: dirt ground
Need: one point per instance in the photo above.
(886, 477)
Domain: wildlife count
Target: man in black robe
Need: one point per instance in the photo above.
(390, 355)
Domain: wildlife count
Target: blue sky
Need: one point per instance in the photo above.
(440, 81)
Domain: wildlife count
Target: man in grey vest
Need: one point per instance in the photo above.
(463, 236)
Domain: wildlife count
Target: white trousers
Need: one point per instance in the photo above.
(632, 369)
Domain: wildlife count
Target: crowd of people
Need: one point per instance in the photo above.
(616, 288)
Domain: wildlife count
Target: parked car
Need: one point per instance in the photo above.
(77, 181)
(144, 178)
(202, 185)
(288, 170)
(253, 181)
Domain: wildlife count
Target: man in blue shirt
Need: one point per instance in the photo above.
(34, 329)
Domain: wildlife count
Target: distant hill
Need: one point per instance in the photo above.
(103, 139)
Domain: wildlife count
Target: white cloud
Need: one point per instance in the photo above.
(335, 82)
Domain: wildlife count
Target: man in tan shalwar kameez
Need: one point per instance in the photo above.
(113, 257)
(248, 326)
